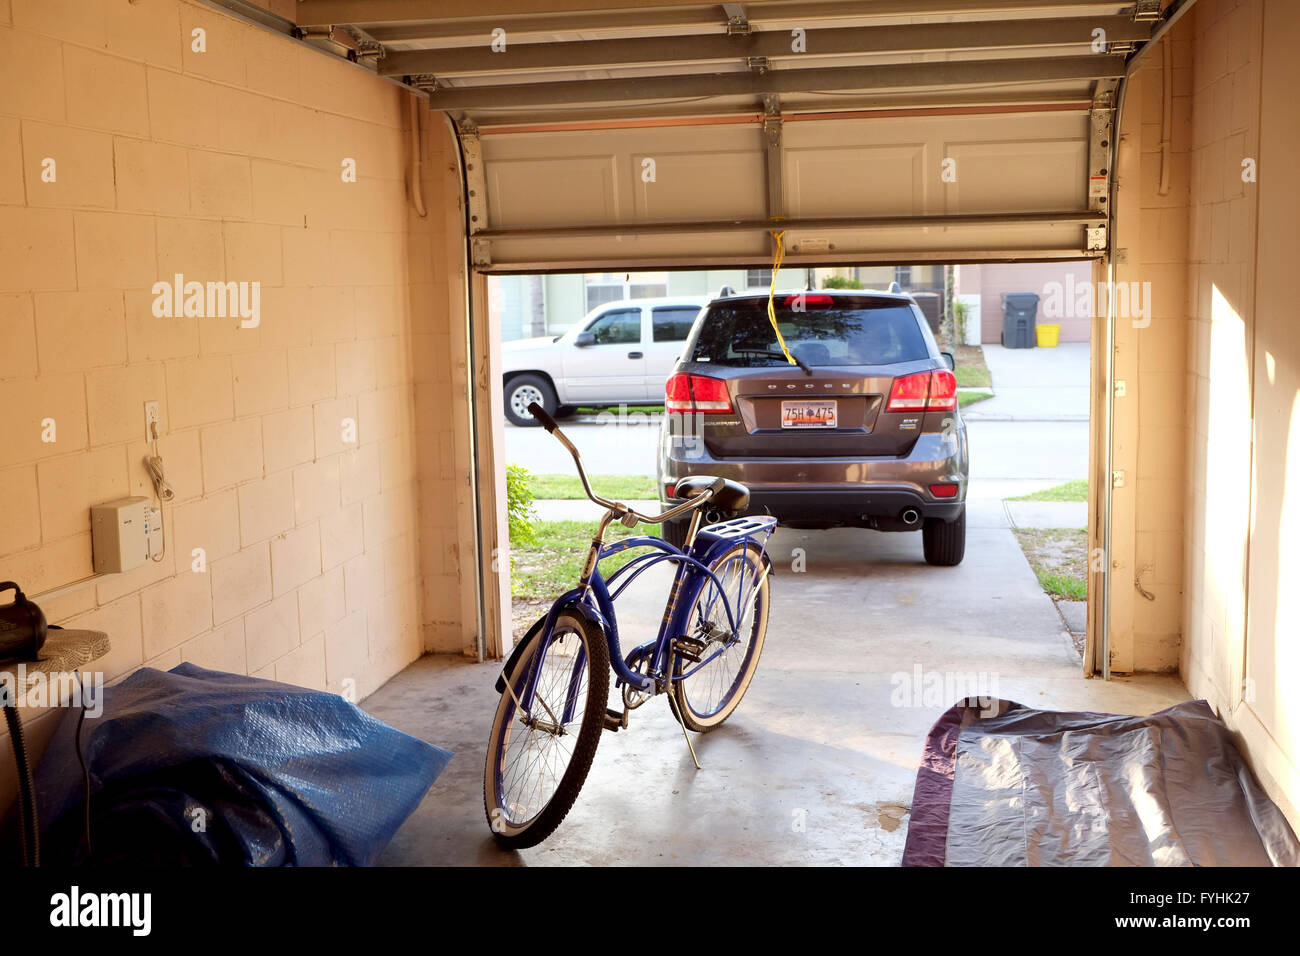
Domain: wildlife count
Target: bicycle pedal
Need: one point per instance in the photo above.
(615, 720)
(690, 648)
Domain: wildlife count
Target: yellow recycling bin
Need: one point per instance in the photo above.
(1049, 336)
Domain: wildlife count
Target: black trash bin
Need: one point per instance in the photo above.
(1019, 320)
(931, 306)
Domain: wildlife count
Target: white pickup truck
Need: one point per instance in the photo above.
(621, 352)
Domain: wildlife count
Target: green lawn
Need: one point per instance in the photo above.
(1070, 491)
(972, 377)
(970, 398)
(971, 370)
(1059, 557)
(552, 564)
(618, 487)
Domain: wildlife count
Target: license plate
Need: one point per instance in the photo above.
(808, 414)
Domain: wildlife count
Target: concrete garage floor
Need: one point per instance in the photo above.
(817, 765)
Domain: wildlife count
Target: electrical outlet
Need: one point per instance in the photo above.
(152, 423)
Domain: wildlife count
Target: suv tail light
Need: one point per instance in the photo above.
(943, 391)
(909, 393)
(802, 301)
(677, 393)
(696, 393)
(924, 391)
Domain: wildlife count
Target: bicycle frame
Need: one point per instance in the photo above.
(594, 601)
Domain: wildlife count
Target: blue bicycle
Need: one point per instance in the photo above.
(555, 686)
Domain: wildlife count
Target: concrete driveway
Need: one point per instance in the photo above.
(1042, 385)
(818, 764)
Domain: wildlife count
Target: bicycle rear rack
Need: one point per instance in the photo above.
(741, 527)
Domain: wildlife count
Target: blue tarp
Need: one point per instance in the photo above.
(195, 767)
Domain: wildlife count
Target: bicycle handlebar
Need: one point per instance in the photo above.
(539, 413)
(548, 423)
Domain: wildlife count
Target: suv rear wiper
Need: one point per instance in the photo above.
(774, 354)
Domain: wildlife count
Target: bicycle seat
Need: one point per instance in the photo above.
(733, 497)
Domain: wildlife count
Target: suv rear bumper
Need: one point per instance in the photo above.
(823, 492)
(870, 505)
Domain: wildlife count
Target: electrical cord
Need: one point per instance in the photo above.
(81, 757)
(153, 464)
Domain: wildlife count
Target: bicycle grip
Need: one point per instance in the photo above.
(544, 419)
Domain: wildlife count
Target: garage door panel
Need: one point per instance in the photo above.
(868, 180)
(561, 190)
(1028, 176)
(697, 184)
(879, 245)
(844, 169)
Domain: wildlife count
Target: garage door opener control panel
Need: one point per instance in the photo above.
(124, 534)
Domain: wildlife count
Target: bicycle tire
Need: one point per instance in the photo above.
(690, 715)
(541, 823)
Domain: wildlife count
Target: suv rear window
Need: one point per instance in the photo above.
(850, 330)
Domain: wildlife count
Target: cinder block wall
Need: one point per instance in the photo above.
(1212, 430)
(1241, 646)
(327, 560)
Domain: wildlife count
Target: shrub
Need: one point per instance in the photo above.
(519, 505)
(960, 310)
(840, 282)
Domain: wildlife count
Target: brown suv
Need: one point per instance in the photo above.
(863, 431)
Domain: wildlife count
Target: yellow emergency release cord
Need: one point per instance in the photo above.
(771, 295)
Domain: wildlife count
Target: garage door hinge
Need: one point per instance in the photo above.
(1095, 238)
(482, 253)
(737, 22)
(1146, 11)
(1117, 479)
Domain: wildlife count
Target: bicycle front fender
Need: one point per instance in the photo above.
(572, 601)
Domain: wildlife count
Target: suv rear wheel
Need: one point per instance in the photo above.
(674, 532)
(944, 541)
(521, 391)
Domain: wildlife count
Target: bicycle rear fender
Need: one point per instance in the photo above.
(708, 549)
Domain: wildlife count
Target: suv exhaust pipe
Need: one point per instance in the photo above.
(910, 516)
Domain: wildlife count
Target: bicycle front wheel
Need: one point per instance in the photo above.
(538, 758)
(711, 690)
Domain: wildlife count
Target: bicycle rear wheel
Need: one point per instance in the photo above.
(537, 761)
(713, 690)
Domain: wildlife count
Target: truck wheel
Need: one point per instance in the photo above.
(944, 541)
(523, 390)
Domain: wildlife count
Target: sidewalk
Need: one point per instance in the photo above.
(580, 509)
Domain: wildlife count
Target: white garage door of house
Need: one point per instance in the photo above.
(599, 134)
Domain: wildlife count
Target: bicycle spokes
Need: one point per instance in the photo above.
(722, 649)
(539, 737)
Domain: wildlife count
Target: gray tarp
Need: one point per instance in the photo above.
(1038, 788)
